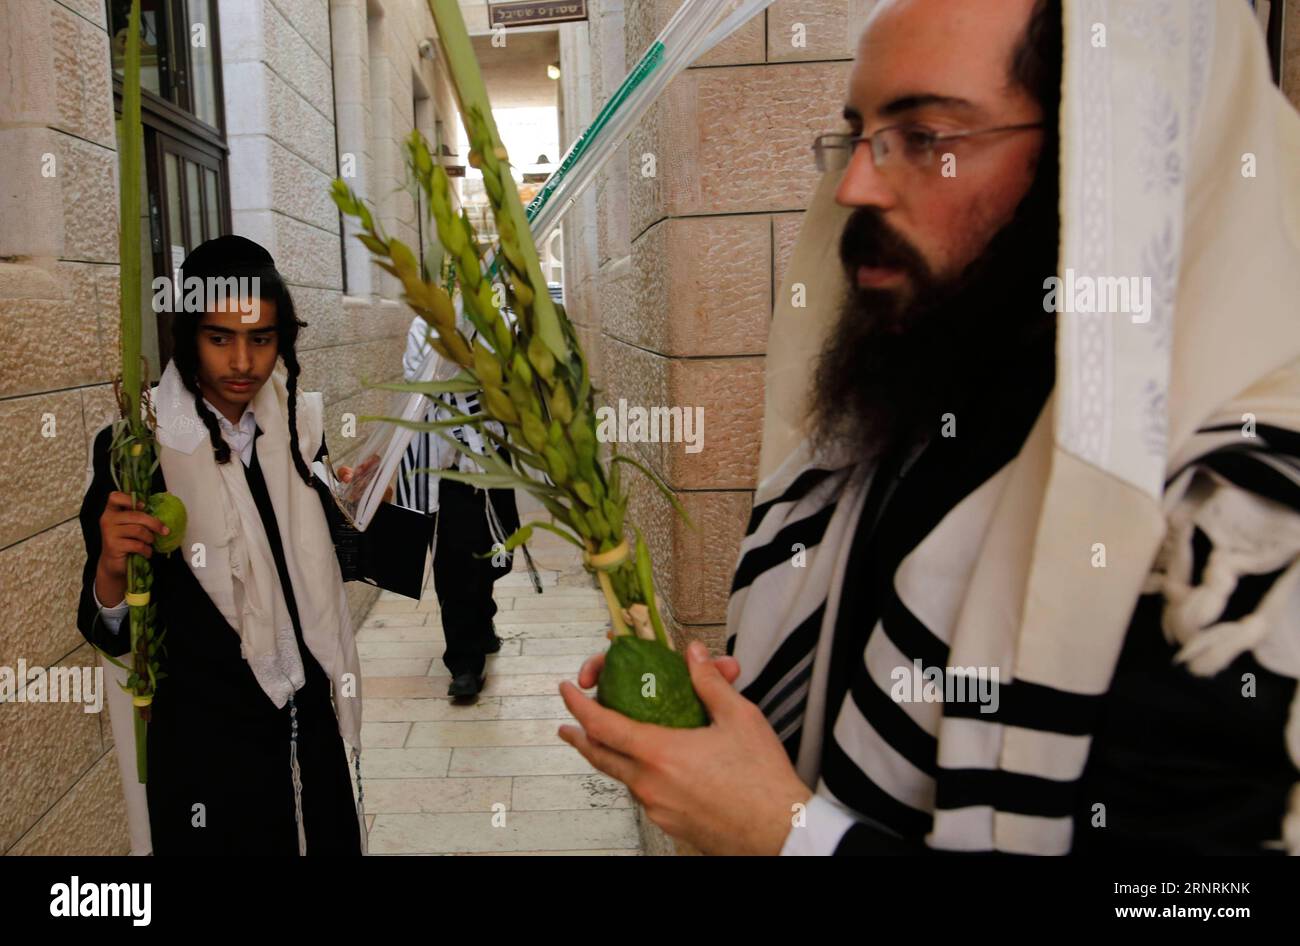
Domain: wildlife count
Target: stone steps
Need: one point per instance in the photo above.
(491, 777)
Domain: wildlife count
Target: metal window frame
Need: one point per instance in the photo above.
(169, 128)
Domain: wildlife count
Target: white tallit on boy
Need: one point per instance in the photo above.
(239, 573)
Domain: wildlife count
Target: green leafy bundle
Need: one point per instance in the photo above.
(535, 383)
(133, 450)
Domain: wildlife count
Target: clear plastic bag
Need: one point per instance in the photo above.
(696, 27)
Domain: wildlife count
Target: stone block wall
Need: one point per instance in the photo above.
(59, 785)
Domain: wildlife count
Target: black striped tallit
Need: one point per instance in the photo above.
(417, 490)
(881, 577)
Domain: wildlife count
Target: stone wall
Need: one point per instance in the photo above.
(58, 336)
(59, 785)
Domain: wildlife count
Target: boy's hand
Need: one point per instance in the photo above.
(123, 529)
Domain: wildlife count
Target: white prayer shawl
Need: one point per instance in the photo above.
(239, 572)
(1155, 129)
(441, 453)
(429, 450)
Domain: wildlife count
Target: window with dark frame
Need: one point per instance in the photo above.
(184, 173)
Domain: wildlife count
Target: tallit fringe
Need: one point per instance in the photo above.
(499, 537)
(296, 775)
(532, 569)
(1188, 613)
(1208, 650)
(495, 529)
(361, 802)
(1291, 821)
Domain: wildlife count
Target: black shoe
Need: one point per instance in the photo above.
(466, 685)
(493, 647)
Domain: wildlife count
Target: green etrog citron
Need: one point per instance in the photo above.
(171, 511)
(666, 697)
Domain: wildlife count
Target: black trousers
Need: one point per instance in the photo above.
(462, 582)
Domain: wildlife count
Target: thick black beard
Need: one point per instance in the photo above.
(889, 371)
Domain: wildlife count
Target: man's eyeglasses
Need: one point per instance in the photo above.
(912, 145)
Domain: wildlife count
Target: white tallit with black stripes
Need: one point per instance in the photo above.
(913, 766)
(416, 487)
(1168, 448)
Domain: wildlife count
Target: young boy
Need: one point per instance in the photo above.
(245, 747)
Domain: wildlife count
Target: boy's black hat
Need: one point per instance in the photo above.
(229, 255)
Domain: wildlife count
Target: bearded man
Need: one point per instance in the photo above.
(1023, 569)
